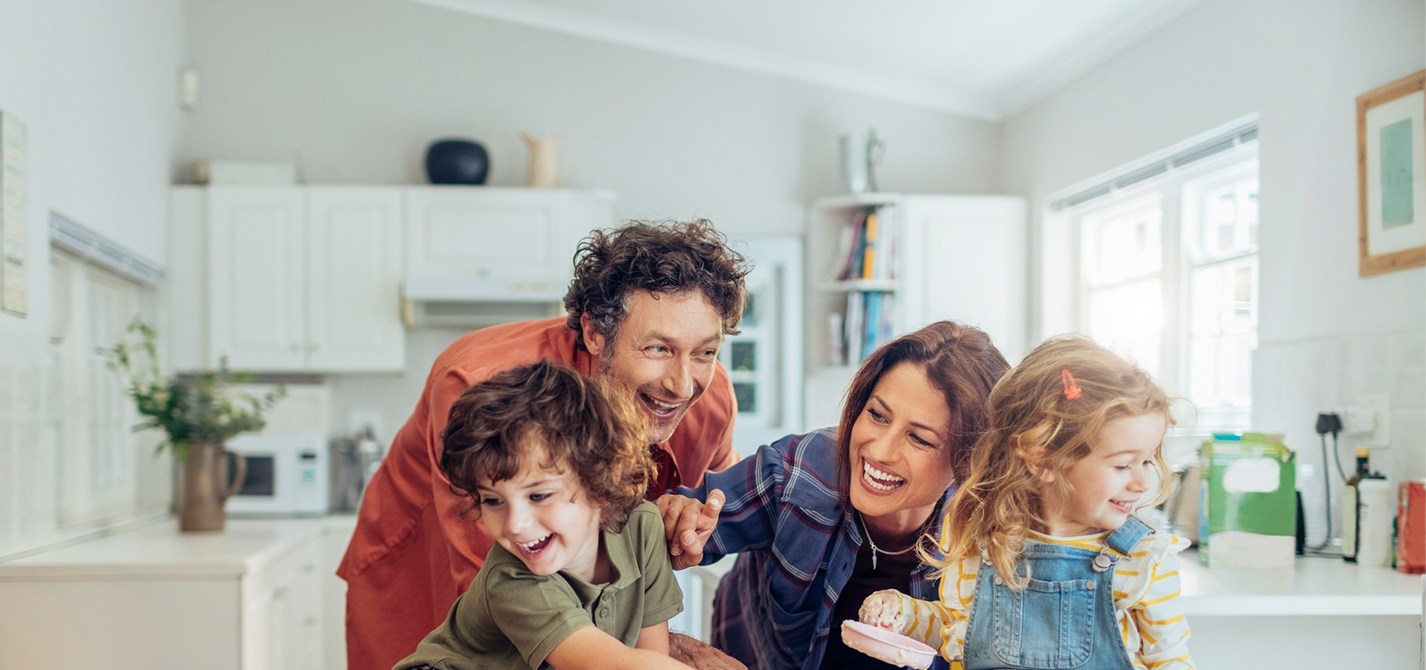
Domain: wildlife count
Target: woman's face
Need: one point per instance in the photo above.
(899, 465)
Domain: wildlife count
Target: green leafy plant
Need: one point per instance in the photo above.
(190, 409)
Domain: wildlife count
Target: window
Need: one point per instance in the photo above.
(1168, 274)
(101, 459)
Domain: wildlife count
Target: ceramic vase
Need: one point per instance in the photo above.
(544, 163)
(205, 482)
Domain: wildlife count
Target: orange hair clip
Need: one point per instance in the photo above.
(1072, 390)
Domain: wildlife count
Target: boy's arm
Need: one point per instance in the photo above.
(654, 638)
(592, 648)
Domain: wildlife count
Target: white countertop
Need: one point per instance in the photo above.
(1314, 586)
(162, 551)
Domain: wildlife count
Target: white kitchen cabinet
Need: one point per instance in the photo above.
(953, 257)
(246, 598)
(506, 242)
(296, 278)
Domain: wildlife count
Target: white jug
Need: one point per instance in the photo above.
(860, 158)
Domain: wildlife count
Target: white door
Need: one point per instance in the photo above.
(354, 243)
(257, 251)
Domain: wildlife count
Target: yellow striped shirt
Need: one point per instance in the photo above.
(1146, 605)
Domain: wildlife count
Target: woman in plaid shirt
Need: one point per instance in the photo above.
(822, 520)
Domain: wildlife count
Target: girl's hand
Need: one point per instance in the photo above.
(883, 609)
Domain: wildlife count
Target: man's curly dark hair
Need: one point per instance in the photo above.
(666, 257)
(583, 426)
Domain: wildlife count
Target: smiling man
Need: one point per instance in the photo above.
(648, 308)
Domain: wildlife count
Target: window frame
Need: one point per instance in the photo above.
(1065, 230)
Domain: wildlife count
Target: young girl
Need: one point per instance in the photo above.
(1045, 564)
(556, 465)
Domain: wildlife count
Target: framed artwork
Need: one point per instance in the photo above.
(1391, 176)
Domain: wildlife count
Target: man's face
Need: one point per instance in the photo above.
(664, 353)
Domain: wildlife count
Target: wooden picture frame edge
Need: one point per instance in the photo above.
(1398, 260)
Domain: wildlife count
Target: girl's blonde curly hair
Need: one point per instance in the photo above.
(1047, 412)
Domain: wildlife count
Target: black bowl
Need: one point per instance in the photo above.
(457, 162)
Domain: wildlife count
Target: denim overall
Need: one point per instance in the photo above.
(1063, 619)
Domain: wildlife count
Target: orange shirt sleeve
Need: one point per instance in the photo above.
(466, 539)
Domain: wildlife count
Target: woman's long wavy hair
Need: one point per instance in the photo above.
(1037, 424)
(572, 423)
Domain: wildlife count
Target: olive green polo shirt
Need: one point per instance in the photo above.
(510, 618)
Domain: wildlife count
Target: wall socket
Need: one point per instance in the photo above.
(1369, 419)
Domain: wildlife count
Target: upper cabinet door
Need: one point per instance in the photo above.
(354, 278)
(256, 286)
(513, 238)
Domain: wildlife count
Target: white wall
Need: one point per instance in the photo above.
(354, 90)
(1326, 335)
(94, 82)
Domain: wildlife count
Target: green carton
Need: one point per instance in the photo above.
(1247, 504)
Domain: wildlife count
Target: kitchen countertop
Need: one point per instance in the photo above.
(161, 551)
(1315, 586)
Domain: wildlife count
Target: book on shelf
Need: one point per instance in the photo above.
(853, 326)
(868, 323)
(869, 244)
(886, 243)
(866, 246)
(853, 244)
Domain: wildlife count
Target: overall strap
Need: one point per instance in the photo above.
(1126, 536)
(1120, 543)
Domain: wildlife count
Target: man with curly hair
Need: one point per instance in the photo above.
(647, 309)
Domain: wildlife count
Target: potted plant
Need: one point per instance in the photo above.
(198, 414)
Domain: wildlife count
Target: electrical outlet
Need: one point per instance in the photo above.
(1379, 405)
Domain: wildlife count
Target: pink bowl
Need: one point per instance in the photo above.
(884, 645)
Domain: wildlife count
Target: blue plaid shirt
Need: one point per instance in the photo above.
(798, 545)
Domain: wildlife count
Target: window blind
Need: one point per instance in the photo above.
(1155, 166)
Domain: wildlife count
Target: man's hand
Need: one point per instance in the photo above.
(699, 655)
(687, 525)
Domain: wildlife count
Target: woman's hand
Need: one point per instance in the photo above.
(687, 524)
(883, 609)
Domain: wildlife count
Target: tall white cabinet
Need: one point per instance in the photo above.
(286, 279)
(936, 257)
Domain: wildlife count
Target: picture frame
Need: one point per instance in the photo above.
(1391, 176)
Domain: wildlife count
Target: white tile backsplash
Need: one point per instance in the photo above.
(1293, 381)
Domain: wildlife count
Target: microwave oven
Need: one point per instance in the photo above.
(285, 475)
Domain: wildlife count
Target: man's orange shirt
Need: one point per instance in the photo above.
(417, 547)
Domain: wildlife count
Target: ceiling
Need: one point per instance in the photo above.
(978, 58)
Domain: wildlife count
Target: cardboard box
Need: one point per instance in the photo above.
(1247, 502)
(243, 173)
(1411, 528)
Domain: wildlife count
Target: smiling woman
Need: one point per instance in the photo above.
(821, 520)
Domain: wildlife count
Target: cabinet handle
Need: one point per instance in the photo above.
(279, 593)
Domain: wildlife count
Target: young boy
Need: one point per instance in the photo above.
(555, 465)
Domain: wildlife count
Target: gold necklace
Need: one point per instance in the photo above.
(875, 549)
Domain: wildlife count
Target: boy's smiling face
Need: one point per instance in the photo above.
(543, 516)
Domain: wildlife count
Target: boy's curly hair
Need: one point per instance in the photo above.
(661, 257)
(570, 422)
